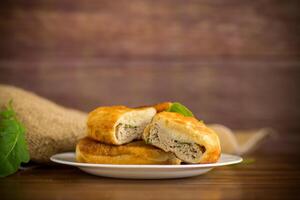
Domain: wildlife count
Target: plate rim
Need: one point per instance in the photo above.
(53, 158)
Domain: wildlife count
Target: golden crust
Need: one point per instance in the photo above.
(196, 130)
(90, 151)
(102, 122)
(160, 107)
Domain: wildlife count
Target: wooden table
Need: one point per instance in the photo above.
(275, 174)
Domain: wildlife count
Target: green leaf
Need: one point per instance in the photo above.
(248, 161)
(181, 109)
(13, 146)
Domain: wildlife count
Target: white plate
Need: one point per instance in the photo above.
(144, 171)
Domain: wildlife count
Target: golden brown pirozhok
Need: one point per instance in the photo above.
(188, 138)
(118, 124)
(91, 151)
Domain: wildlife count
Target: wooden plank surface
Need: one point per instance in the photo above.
(235, 63)
(273, 175)
(239, 94)
(174, 29)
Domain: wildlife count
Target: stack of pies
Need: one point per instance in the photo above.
(146, 135)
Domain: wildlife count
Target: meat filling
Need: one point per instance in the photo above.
(185, 151)
(127, 132)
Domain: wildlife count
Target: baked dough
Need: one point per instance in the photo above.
(163, 106)
(118, 124)
(191, 140)
(138, 152)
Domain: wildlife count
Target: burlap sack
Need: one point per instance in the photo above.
(240, 142)
(50, 128)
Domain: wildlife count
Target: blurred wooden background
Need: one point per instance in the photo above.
(232, 62)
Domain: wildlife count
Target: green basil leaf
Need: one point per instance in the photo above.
(13, 146)
(248, 161)
(181, 109)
